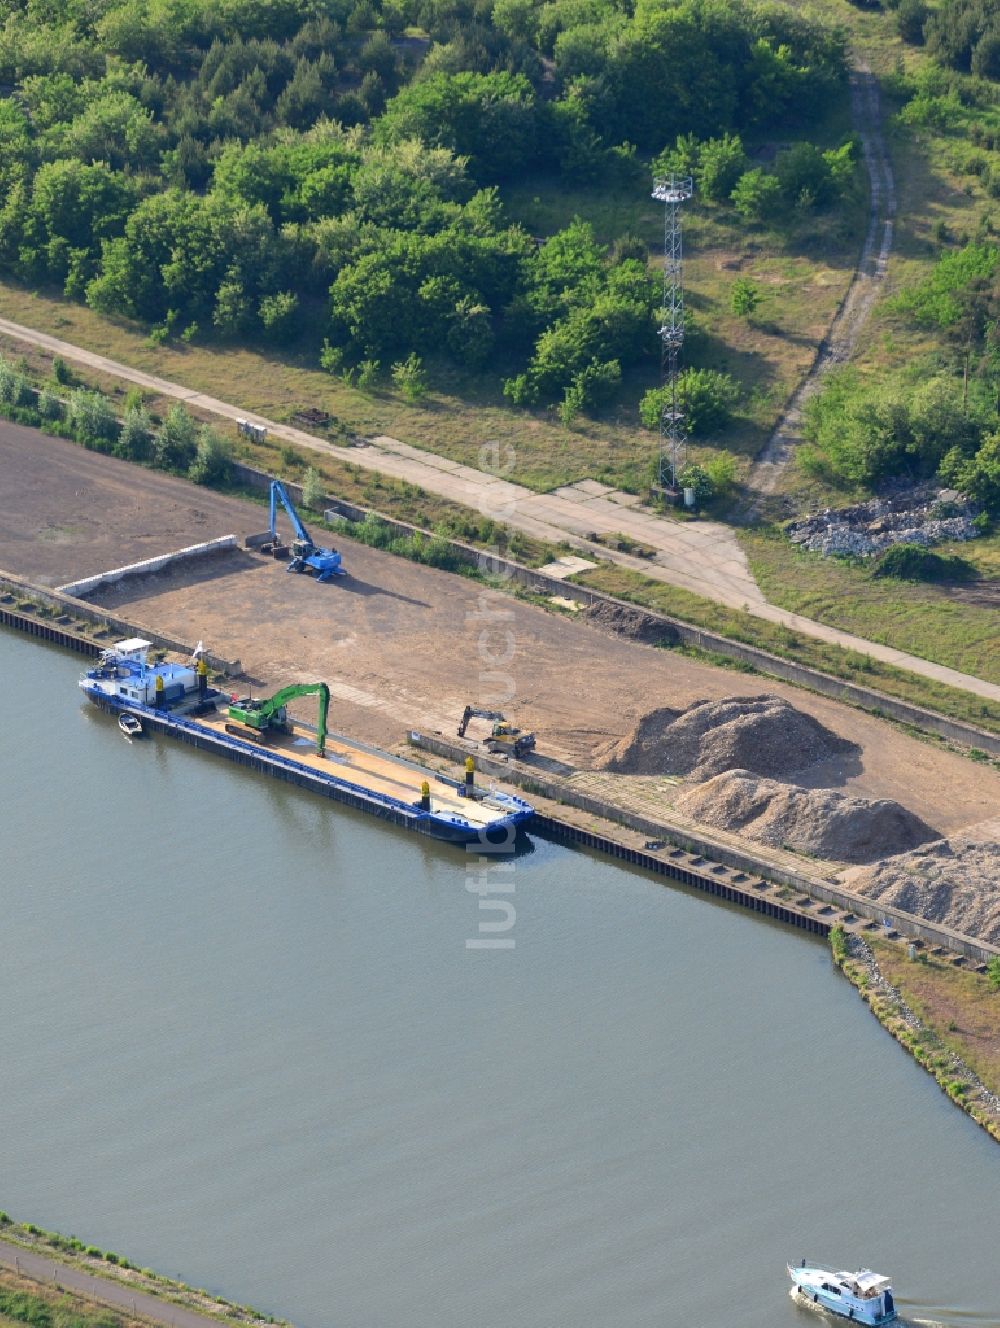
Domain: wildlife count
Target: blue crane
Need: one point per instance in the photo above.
(306, 556)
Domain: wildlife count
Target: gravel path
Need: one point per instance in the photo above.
(121, 1296)
(839, 343)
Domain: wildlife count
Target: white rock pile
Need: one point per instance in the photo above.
(923, 515)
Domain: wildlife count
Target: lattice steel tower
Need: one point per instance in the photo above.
(673, 191)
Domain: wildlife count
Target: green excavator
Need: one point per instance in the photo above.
(258, 720)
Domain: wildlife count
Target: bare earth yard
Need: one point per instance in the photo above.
(405, 646)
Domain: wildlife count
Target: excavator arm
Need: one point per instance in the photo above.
(263, 716)
(471, 712)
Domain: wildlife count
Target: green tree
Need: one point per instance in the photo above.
(278, 314)
(993, 972)
(977, 476)
(490, 118)
(705, 397)
(721, 163)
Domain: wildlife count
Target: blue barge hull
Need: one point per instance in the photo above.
(450, 828)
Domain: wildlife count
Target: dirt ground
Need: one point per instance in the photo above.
(66, 513)
(404, 646)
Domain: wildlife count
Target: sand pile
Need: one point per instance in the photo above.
(815, 821)
(761, 734)
(954, 881)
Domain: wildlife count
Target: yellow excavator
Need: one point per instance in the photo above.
(257, 720)
(504, 739)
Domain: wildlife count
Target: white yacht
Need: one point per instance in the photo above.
(864, 1297)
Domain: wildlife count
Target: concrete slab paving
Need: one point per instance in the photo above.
(568, 565)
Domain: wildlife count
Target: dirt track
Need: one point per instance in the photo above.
(405, 646)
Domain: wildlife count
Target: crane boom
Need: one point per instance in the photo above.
(278, 493)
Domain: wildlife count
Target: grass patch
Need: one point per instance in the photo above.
(924, 620)
(960, 1008)
(778, 640)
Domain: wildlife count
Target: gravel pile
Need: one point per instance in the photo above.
(761, 734)
(954, 881)
(923, 515)
(815, 821)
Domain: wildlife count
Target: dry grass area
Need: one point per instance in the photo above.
(961, 1007)
(954, 625)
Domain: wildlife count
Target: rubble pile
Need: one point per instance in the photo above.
(955, 881)
(923, 515)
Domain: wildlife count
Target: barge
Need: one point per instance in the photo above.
(176, 699)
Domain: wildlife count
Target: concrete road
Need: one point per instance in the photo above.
(117, 1294)
(703, 556)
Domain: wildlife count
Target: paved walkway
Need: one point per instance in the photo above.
(108, 1292)
(703, 557)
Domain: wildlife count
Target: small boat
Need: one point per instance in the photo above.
(130, 725)
(863, 1297)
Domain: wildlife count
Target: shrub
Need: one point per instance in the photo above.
(745, 297)
(211, 461)
(313, 490)
(757, 195)
(176, 443)
(697, 478)
(49, 406)
(721, 163)
(92, 419)
(278, 315)
(911, 15)
(61, 372)
(136, 437)
(993, 972)
(721, 470)
(914, 562)
(410, 378)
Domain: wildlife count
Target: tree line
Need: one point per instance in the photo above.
(332, 168)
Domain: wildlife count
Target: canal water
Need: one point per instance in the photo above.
(243, 1041)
